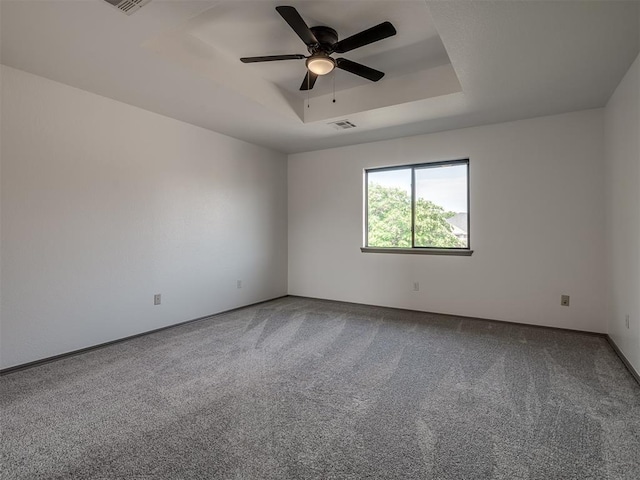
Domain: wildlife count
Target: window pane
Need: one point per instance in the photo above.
(441, 207)
(389, 208)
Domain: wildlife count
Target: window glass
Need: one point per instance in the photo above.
(389, 208)
(418, 206)
(441, 217)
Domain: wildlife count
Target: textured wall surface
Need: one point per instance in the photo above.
(104, 205)
(537, 225)
(622, 154)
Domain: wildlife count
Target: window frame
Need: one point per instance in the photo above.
(459, 251)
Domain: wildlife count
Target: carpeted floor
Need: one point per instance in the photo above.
(301, 388)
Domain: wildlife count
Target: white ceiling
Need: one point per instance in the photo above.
(211, 44)
(513, 60)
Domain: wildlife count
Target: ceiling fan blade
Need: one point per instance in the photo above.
(295, 21)
(370, 35)
(271, 58)
(309, 81)
(359, 69)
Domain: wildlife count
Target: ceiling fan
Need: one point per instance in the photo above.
(321, 42)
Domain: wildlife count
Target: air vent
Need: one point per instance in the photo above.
(342, 125)
(128, 6)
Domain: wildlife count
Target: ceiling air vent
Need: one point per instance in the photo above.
(342, 125)
(128, 6)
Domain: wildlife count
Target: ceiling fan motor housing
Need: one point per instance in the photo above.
(326, 36)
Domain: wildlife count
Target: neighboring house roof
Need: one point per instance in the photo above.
(459, 221)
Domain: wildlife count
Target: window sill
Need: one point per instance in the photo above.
(419, 251)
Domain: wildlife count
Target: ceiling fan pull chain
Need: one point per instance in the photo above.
(334, 88)
(308, 89)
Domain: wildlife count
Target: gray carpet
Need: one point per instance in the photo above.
(300, 388)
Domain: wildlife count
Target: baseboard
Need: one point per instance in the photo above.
(466, 317)
(624, 359)
(35, 363)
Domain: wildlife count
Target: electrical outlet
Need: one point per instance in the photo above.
(564, 300)
(626, 320)
(239, 284)
(156, 299)
(416, 286)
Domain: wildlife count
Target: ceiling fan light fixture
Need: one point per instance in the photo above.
(321, 64)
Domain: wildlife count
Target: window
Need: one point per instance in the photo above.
(418, 208)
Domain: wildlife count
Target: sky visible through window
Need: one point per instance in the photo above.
(445, 186)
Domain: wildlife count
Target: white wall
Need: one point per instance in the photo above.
(537, 225)
(104, 204)
(622, 157)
